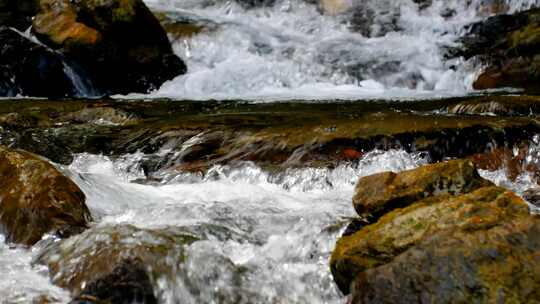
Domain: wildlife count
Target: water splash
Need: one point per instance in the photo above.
(23, 283)
(266, 237)
(380, 49)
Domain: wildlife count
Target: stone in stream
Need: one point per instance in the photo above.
(509, 45)
(30, 69)
(477, 245)
(118, 44)
(35, 199)
(379, 194)
(110, 261)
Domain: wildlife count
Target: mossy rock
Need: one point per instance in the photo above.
(380, 193)
(493, 264)
(484, 218)
(35, 199)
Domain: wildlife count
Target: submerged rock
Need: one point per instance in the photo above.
(30, 69)
(118, 45)
(127, 283)
(476, 245)
(35, 199)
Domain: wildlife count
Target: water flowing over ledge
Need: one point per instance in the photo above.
(291, 50)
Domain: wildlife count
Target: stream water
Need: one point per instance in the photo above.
(271, 234)
(265, 238)
(291, 50)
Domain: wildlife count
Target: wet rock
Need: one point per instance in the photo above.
(98, 37)
(460, 242)
(100, 116)
(84, 263)
(480, 262)
(127, 283)
(513, 162)
(256, 3)
(179, 27)
(380, 193)
(30, 69)
(519, 106)
(334, 7)
(509, 46)
(532, 196)
(37, 199)
(17, 13)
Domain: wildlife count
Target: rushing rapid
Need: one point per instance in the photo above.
(264, 237)
(341, 49)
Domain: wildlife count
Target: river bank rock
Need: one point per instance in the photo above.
(378, 194)
(509, 45)
(99, 37)
(30, 69)
(478, 245)
(35, 199)
(109, 262)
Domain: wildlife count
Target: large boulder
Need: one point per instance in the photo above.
(30, 69)
(445, 247)
(121, 263)
(35, 199)
(119, 45)
(17, 13)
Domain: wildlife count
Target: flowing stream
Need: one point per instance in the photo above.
(299, 50)
(266, 237)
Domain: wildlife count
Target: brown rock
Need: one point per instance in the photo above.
(497, 264)
(377, 194)
(35, 198)
(84, 262)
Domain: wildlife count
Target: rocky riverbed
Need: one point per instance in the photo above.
(207, 200)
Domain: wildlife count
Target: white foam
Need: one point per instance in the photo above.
(292, 51)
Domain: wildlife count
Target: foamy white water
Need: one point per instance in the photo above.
(273, 233)
(280, 229)
(292, 50)
(264, 237)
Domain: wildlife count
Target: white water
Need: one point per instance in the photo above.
(293, 51)
(266, 238)
(279, 230)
